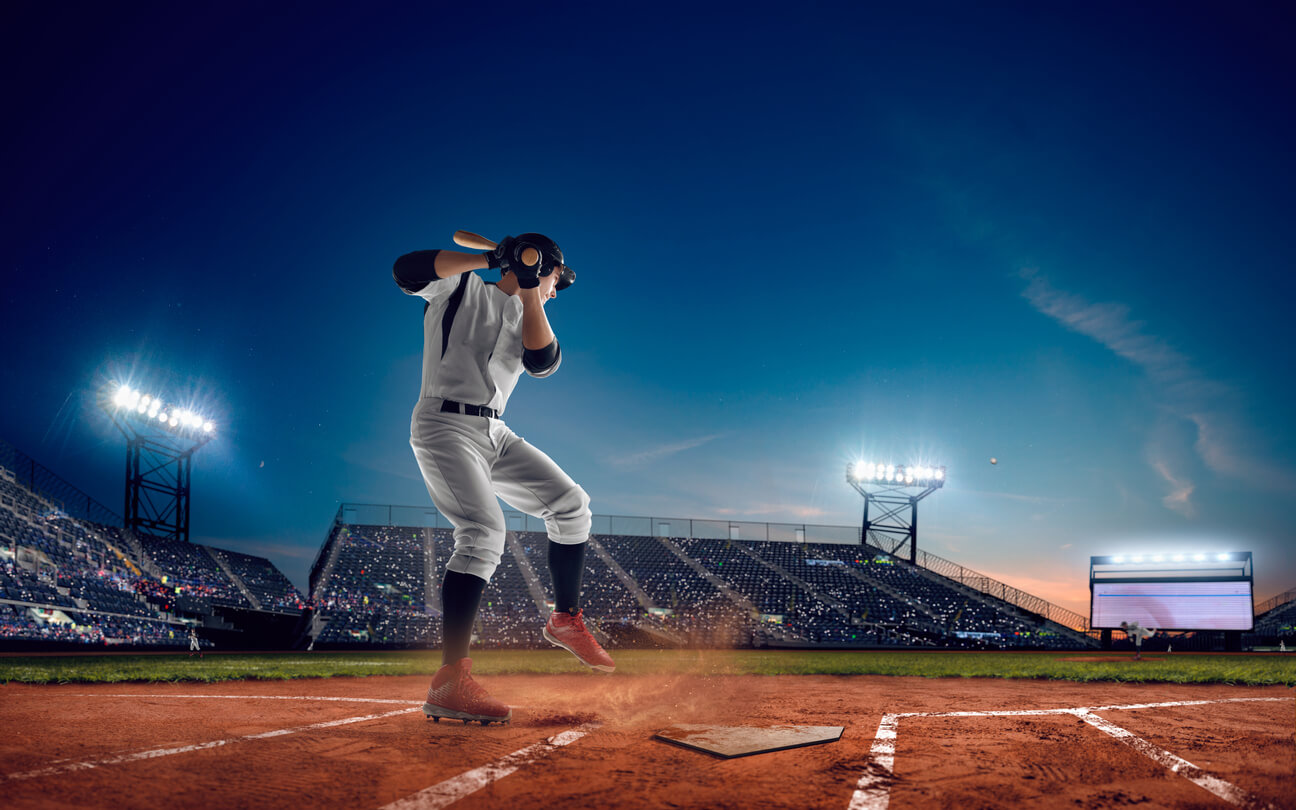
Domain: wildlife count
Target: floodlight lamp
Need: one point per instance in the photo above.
(1178, 558)
(1221, 556)
(1118, 559)
(174, 420)
(940, 474)
(122, 398)
(1199, 557)
(857, 471)
(145, 400)
(208, 427)
(1158, 558)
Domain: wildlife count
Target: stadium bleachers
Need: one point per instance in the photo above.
(375, 592)
(65, 580)
(267, 583)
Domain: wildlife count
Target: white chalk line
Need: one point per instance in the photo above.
(184, 749)
(873, 791)
(456, 787)
(1225, 790)
(262, 697)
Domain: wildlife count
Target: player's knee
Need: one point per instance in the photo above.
(572, 518)
(478, 549)
(477, 562)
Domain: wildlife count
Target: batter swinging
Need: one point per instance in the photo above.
(478, 337)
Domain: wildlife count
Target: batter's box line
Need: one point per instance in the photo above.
(873, 791)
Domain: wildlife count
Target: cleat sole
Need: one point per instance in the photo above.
(554, 641)
(437, 712)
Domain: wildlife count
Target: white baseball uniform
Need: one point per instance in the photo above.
(473, 355)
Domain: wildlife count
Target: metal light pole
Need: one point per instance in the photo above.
(891, 488)
(161, 439)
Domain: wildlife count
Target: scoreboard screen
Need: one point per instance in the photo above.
(1193, 605)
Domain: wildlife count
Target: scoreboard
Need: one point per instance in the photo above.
(1172, 591)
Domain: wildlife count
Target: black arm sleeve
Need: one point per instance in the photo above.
(539, 362)
(416, 270)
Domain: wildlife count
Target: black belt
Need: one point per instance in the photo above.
(450, 406)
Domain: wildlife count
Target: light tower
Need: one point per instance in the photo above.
(891, 488)
(161, 438)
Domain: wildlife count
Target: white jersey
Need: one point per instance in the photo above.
(472, 342)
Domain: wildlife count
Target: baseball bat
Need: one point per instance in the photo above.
(469, 239)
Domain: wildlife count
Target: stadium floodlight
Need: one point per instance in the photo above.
(1158, 558)
(884, 484)
(1178, 558)
(1221, 557)
(1118, 559)
(1199, 557)
(161, 437)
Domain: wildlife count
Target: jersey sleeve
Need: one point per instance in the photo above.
(415, 274)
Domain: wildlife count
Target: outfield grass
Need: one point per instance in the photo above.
(1161, 668)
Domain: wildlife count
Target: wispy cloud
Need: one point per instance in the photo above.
(660, 452)
(1180, 497)
(1184, 391)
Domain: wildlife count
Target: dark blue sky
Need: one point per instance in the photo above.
(1056, 235)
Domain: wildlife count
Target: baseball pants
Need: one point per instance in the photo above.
(467, 461)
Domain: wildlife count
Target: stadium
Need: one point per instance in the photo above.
(828, 405)
(693, 597)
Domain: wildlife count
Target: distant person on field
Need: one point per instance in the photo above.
(1138, 633)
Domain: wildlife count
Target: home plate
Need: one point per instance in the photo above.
(741, 741)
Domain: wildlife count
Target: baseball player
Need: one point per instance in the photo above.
(193, 643)
(478, 338)
(1137, 632)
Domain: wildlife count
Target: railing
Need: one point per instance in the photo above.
(368, 514)
(427, 517)
(44, 483)
(1278, 601)
(1000, 590)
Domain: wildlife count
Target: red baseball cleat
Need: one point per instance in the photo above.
(456, 695)
(568, 631)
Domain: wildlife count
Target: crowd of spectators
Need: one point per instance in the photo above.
(265, 582)
(89, 573)
(798, 594)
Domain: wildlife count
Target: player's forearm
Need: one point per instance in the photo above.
(416, 270)
(450, 263)
(536, 333)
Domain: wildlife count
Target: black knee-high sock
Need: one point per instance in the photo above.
(566, 567)
(460, 596)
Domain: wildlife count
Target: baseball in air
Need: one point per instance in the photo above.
(994, 460)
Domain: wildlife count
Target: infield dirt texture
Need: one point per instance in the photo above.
(1221, 738)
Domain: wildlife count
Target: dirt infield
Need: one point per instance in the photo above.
(584, 740)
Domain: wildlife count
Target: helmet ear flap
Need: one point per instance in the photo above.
(566, 277)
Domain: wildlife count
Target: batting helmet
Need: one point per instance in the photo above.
(551, 257)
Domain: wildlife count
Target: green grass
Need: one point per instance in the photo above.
(1253, 670)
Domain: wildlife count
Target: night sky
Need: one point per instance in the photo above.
(1056, 234)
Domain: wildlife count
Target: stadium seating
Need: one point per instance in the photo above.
(88, 578)
(268, 584)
